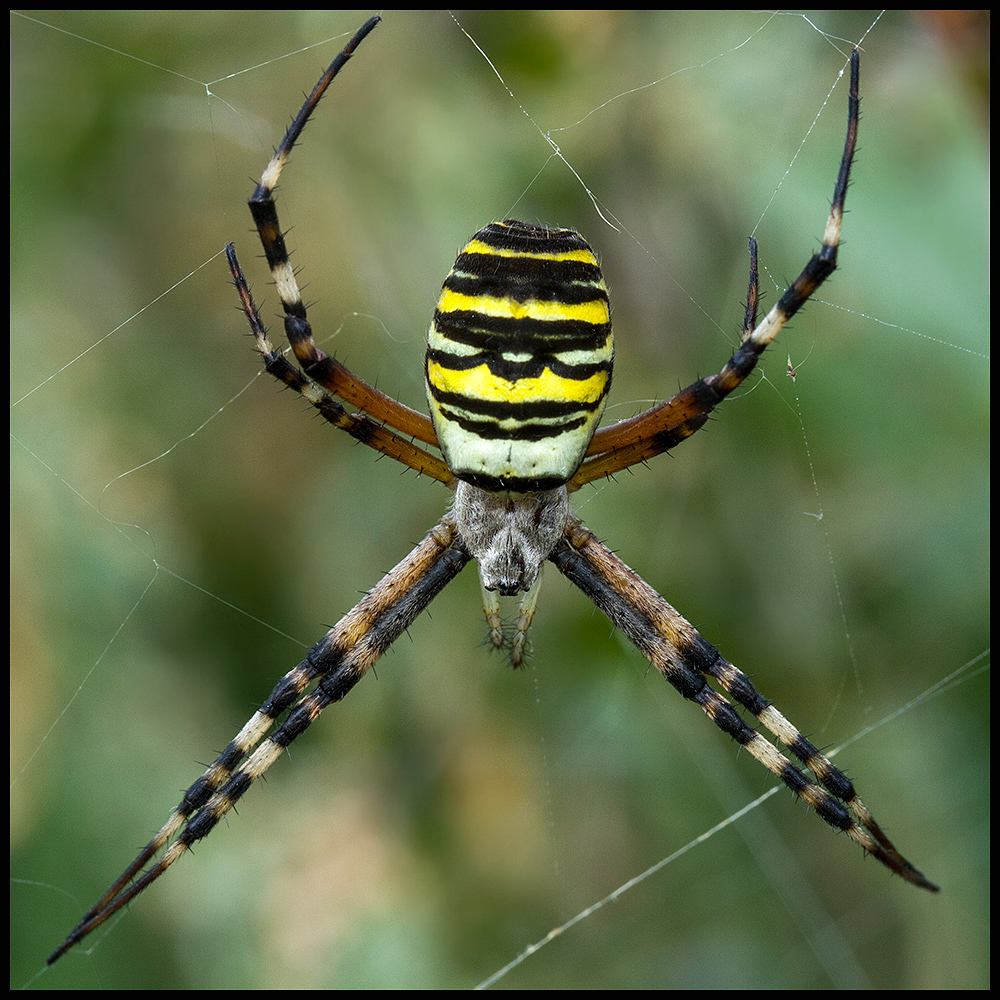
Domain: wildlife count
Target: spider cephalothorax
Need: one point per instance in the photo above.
(518, 369)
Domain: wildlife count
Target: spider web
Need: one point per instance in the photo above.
(180, 529)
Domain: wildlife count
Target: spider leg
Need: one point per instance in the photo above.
(362, 427)
(315, 363)
(662, 427)
(337, 662)
(491, 608)
(525, 612)
(753, 293)
(684, 657)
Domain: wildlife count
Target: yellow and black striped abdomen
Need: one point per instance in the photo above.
(519, 357)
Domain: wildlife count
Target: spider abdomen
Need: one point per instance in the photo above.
(519, 357)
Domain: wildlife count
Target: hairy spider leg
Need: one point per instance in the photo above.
(684, 657)
(367, 428)
(337, 662)
(662, 427)
(315, 363)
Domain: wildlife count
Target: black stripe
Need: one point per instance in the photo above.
(512, 371)
(497, 333)
(514, 484)
(501, 409)
(523, 237)
(489, 430)
(526, 278)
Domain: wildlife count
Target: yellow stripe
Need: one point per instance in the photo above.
(481, 383)
(583, 256)
(594, 312)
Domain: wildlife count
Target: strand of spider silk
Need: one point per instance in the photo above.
(959, 676)
(625, 887)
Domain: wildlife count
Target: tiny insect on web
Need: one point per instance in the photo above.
(475, 380)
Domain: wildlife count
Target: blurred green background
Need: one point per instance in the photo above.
(451, 812)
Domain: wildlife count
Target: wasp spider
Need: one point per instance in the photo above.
(518, 368)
